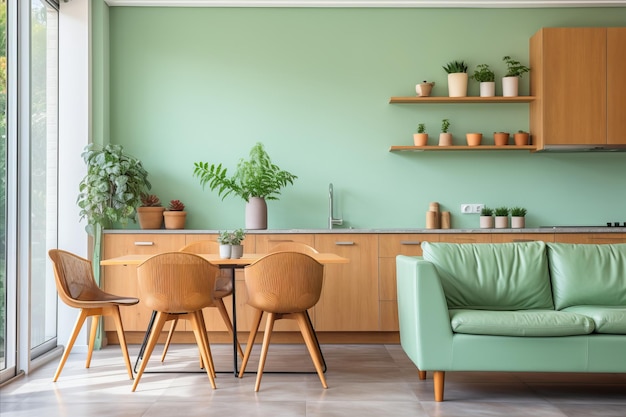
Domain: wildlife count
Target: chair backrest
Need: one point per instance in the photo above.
(284, 282)
(293, 247)
(176, 282)
(74, 278)
(201, 247)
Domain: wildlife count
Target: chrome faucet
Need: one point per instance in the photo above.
(331, 218)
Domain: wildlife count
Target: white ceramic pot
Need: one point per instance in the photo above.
(518, 222)
(510, 86)
(225, 251)
(488, 89)
(457, 84)
(486, 222)
(256, 213)
(502, 222)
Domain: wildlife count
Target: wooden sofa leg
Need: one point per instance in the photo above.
(421, 374)
(438, 378)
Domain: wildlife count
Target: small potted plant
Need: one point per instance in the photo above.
(501, 138)
(518, 217)
(230, 243)
(502, 217)
(487, 79)
(510, 81)
(421, 137)
(457, 78)
(521, 138)
(150, 213)
(423, 89)
(445, 138)
(486, 218)
(175, 215)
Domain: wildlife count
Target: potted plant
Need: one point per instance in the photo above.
(501, 138)
(474, 139)
(510, 82)
(521, 138)
(502, 217)
(486, 218)
(421, 137)
(150, 213)
(175, 215)
(518, 217)
(255, 181)
(423, 89)
(457, 78)
(230, 243)
(445, 138)
(487, 79)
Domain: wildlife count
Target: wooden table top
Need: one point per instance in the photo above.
(246, 259)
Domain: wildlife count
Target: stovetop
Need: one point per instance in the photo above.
(608, 224)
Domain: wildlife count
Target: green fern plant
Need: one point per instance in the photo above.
(483, 74)
(455, 67)
(514, 68)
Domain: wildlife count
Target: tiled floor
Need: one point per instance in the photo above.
(363, 381)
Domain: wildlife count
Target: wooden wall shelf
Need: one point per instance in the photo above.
(450, 100)
(531, 148)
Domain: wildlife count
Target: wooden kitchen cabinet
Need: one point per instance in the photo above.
(349, 300)
(522, 237)
(465, 237)
(594, 238)
(577, 78)
(390, 246)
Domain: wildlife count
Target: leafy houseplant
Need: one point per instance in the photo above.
(518, 212)
(421, 137)
(510, 82)
(255, 180)
(486, 211)
(230, 243)
(457, 78)
(502, 217)
(421, 128)
(150, 213)
(445, 138)
(486, 77)
(486, 218)
(518, 220)
(175, 215)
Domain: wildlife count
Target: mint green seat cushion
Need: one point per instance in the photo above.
(588, 274)
(502, 276)
(609, 320)
(520, 323)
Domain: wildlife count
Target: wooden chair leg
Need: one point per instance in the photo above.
(438, 379)
(269, 326)
(159, 322)
(92, 336)
(79, 324)
(199, 331)
(169, 339)
(254, 328)
(229, 326)
(115, 312)
(309, 340)
(208, 346)
(421, 374)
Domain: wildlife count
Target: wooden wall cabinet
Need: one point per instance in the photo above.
(577, 77)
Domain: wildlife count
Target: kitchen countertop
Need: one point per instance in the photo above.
(556, 229)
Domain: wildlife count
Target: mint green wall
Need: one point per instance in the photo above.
(100, 87)
(193, 84)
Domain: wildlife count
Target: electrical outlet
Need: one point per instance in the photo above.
(471, 208)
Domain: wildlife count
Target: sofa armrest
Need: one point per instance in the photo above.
(425, 332)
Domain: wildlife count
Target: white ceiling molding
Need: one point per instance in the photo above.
(370, 3)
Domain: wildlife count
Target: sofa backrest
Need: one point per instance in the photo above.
(498, 276)
(587, 274)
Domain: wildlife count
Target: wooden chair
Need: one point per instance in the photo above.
(293, 247)
(77, 288)
(177, 285)
(285, 285)
(223, 288)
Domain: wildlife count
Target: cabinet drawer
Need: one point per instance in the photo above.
(389, 246)
(522, 237)
(465, 238)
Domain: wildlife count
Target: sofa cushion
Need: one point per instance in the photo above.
(499, 276)
(611, 320)
(587, 274)
(543, 323)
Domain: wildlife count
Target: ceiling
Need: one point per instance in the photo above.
(370, 3)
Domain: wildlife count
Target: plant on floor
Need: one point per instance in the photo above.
(455, 67)
(514, 68)
(483, 74)
(501, 211)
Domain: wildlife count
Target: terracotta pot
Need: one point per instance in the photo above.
(486, 222)
(487, 88)
(521, 139)
(473, 139)
(518, 222)
(457, 84)
(256, 213)
(445, 139)
(502, 222)
(174, 219)
(424, 89)
(501, 138)
(150, 217)
(510, 86)
(420, 139)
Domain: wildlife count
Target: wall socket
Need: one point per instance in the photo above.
(471, 208)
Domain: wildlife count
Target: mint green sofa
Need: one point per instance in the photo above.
(527, 307)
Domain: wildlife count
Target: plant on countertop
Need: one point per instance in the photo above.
(256, 177)
(518, 212)
(445, 125)
(501, 211)
(455, 67)
(150, 200)
(176, 205)
(483, 74)
(231, 238)
(486, 211)
(514, 68)
(421, 128)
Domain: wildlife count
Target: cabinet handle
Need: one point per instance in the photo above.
(348, 243)
(280, 240)
(523, 240)
(144, 243)
(410, 242)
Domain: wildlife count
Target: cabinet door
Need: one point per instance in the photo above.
(521, 237)
(349, 300)
(264, 243)
(616, 85)
(122, 280)
(465, 237)
(390, 246)
(601, 238)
